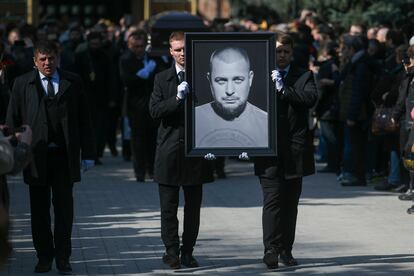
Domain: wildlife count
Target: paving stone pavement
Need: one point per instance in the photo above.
(341, 230)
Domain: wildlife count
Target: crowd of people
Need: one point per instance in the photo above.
(88, 85)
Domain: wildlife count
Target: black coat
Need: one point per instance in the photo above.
(27, 107)
(294, 140)
(138, 90)
(405, 102)
(95, 69)
(171, 166)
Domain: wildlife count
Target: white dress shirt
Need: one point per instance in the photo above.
(55, 82)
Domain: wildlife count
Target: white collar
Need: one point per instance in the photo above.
(55, 76)
(287, 68)
(178, 69)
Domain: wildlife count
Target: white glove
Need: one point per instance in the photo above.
(210, 156)
(277, 78)
(87, 164)
(182, 90)
(145, 72)
(244, 156)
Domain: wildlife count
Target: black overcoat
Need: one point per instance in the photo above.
(294, 140)
(171, 166)
(138, 90)
(27, 106)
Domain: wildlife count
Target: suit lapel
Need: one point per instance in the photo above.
(64, 85)
(172, 80)
(292, 76)
(37, 86)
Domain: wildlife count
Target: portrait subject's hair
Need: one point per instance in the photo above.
(45, 47)
(230, 55)
(284, 38)
(176, 36)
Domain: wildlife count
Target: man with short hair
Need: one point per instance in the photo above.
(227, 121)
(281, 176)
(137, 72)
(172, 169)
(53, 103)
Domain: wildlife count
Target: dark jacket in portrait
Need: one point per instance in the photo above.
(294, 140)
(27, 106)
(171, 166)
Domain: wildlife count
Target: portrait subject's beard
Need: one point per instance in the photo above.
(228, 114)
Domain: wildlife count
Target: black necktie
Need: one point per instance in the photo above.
(50, 90)
(181, 76)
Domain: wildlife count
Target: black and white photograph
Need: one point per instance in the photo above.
(229, 109)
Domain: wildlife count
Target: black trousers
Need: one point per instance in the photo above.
(57, 190)
(280, 209)
(112, 127)
(358, 138)
(143, 141)
(169, 199)
(329, 131)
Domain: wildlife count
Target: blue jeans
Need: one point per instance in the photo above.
(394, 174)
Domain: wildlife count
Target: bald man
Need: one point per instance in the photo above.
(230, 120)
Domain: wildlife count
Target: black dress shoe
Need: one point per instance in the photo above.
(43, 265)
(64, 267)
(410, 210)
(188, 260)
(270, 258)
(385, 187)
(287, 259)
(172, 260)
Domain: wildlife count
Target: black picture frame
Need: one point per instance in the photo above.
(211, 125)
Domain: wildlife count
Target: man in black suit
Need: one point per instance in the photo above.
(281, 177)
(137, 73)
(172, 169)
(52, 102)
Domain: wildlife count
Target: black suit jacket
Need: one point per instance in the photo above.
(171, 166)
(294, 140)
(27, 106)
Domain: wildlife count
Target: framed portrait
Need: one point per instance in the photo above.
(232, 105)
